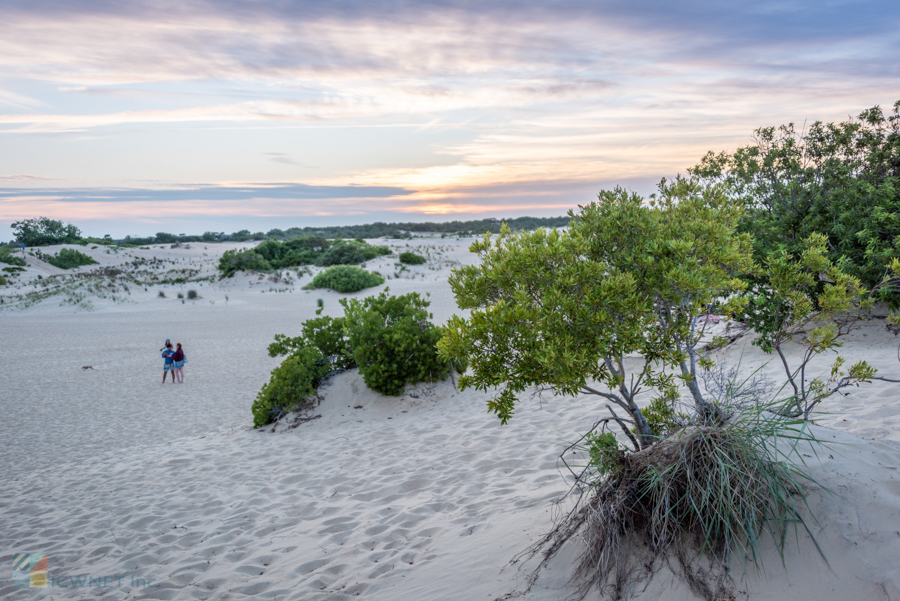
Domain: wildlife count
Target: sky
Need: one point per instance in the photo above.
(184, 117)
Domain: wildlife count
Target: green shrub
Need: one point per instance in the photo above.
(836, 179)
(604, 452)
(7, 256)
(192, 294)
(67, 258)
(411, 258)
(345, 278)
(393, 342)
(3, 281)
(292, 384)
(351, 253)
(242, 260)
(323, 333)
(180, 295)
(297, 252)
(342, 254)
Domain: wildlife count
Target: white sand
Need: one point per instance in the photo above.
(423, 496)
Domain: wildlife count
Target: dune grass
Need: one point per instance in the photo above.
(705, 496)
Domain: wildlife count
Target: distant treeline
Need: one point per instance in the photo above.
(42, 231)
(404, 230)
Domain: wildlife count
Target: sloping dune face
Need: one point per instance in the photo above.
(163, 491)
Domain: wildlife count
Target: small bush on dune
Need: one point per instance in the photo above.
(345, 278)
(68, 258)
(411, 258)
(389, 337)
(192, 294)
(7, 256)
(292, 384)
(2, 281)
(394, 342)
(233, 261)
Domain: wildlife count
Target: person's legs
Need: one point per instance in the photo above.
(180, 373)
(165, 373)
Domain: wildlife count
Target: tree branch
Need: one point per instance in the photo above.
(625, 429)
(607, 395)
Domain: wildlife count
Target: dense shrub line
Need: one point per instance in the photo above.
(310, 250)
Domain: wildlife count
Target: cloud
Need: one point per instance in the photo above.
(17, 101)
(22, 177)
(205, 192)
(282, 157)
(90, 43)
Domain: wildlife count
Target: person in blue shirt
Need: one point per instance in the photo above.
(169, 362)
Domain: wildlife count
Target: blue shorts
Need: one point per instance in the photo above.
(178, 364)
(168, 367)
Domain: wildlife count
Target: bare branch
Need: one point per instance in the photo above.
(625, 429)
(607, 395)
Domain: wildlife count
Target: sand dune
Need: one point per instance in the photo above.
(422, 496)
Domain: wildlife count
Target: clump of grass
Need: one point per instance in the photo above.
(192, 294)
(180, 295)
(162, 294)
(704, 496)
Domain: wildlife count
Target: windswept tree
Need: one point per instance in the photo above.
(43, 231)
(562, 310)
